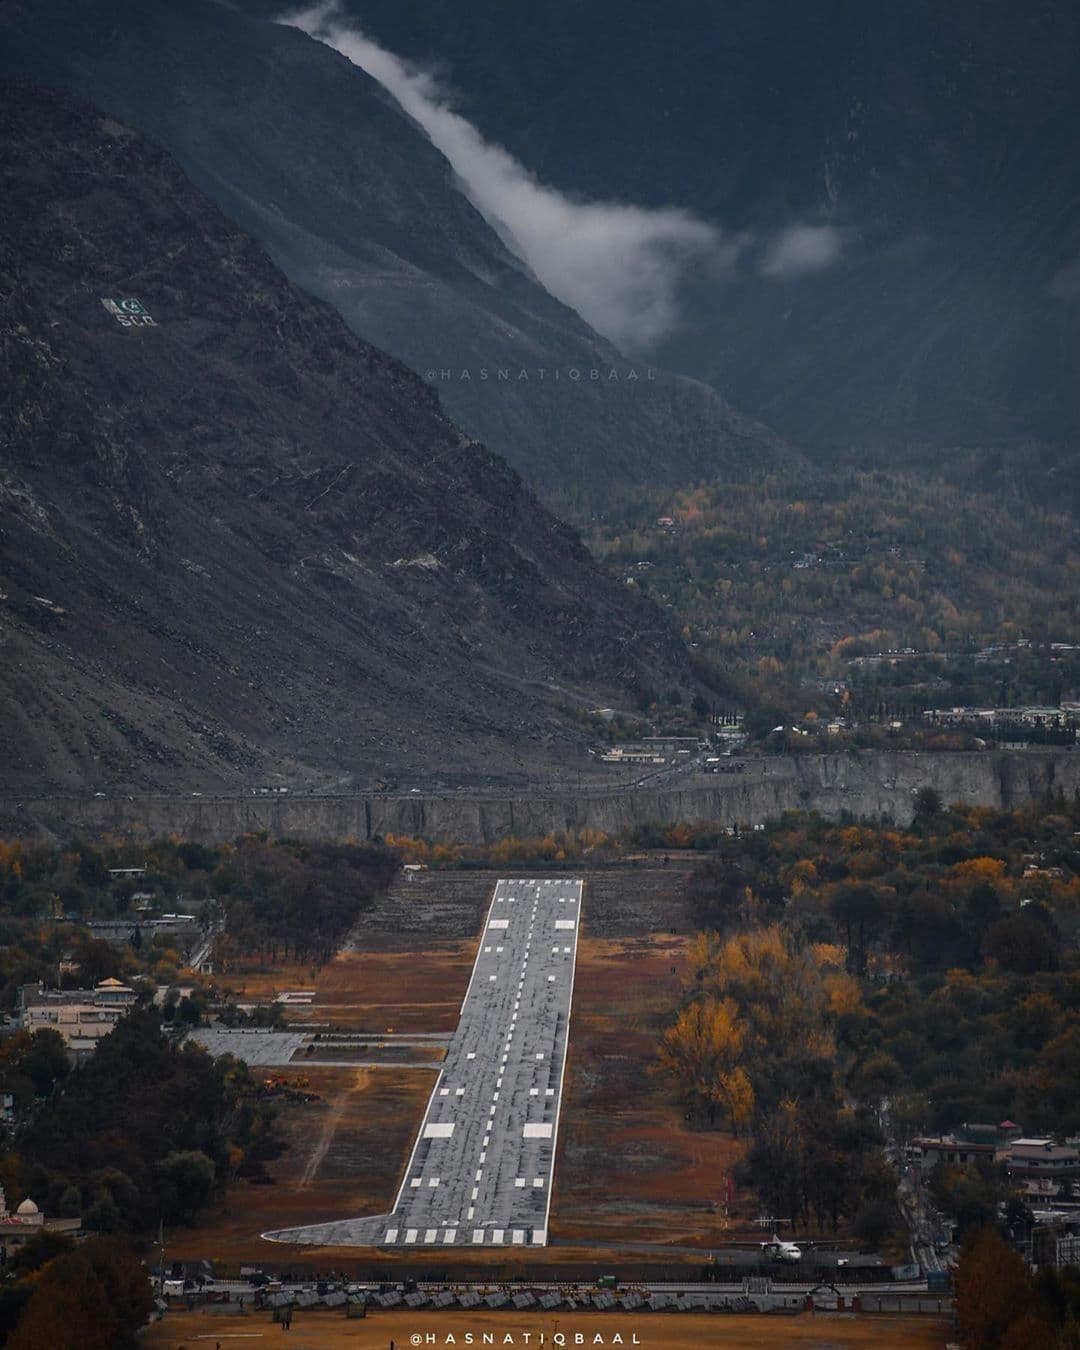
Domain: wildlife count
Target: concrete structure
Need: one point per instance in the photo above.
(1040, 1166)
(26, 1222)
(183, 928)
(653, 749)
(80, 1016)
(946, 1148)
(482, 1167)
(257, 1047)
(112, 993)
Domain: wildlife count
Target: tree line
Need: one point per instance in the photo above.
(781, 582)
(848, 975)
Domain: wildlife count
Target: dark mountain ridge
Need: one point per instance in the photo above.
(313, 158)
(938, 141)
(237, 540)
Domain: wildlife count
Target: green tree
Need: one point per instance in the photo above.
(1019, 944)
(928, 806)
(877, 1077)
(187, 1182)
(70, 1205)
(103, 1215)
(873, 1223)
(43, 1247)
(46, 1061)
(965, 1193)
(98, 960)
(858, 910)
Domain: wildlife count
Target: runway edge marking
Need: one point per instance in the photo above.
(442, 1071)
(566, 1060)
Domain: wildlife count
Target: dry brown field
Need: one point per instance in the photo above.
(407, 990)
(260, 981)
(341, 1158)
(657, 1331)
(630, 1169)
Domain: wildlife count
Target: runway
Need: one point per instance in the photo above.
(482, 1167)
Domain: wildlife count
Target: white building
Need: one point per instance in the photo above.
(26, 1222)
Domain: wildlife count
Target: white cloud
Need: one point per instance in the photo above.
(800, 249)
(620, 266)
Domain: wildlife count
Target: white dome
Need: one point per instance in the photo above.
(27, 1208)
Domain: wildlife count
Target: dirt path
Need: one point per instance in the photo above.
(326, 1136)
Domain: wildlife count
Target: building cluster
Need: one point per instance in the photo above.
(1064, 716)
(1038, 1167)
(80, 1016)
(654, 750)
(1045, 1173)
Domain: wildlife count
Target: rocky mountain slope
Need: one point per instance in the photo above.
(314, 159)
(937, 141)
(237, 540)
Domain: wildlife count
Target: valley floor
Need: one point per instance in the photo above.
(630, 1170)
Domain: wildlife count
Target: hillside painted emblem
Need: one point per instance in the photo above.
(129, 312)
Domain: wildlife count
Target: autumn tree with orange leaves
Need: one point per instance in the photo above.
(701, 1052)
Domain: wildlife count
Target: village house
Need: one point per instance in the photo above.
(1040, 1166)
(947, 1148)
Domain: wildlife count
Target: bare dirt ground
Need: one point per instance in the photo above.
(630, 1169)
(411, 990)
(657, 1331)
(260, 981)
(344, 1156)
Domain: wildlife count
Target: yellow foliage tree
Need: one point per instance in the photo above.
(701, 1052)
(781, 989)
(843, 995)
(979, 869)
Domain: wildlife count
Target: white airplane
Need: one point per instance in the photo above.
(778, 1250)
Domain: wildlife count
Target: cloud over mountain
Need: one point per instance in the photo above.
(800, 249)
(619, 265)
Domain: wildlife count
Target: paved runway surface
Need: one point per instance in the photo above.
(482, 1166)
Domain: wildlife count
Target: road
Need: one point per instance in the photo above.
(482, 1168)
(204, 947)
(243, 1289)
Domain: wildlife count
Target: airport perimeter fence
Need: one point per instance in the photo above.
(775, 1301)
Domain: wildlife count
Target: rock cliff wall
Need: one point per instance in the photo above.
(867, 783)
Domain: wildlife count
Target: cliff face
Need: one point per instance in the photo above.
(236, 538)
(867, 783)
